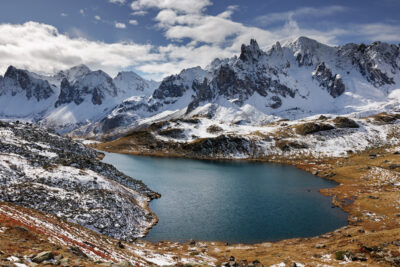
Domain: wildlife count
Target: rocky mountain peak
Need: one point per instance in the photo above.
(309, 52)
(305, 43)
(129, 75)
(17, 80)
(82, 68)
(277, 47)
(73, 73)
(133, 84)
(96, 84)
(12, 72)
(250, 53)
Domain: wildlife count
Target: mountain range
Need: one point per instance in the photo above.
(292, 80)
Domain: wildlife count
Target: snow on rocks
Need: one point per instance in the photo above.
(382, 177)
(202, 137)
(56, 175)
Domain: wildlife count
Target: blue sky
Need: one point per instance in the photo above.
(160, 37)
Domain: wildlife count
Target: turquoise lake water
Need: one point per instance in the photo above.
(235, 202)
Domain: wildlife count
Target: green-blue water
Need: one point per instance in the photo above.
(232, 201)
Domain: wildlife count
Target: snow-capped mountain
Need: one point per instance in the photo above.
(291, 80)
(68, 99)
(297, 79)
(129, 81)
(24, 94)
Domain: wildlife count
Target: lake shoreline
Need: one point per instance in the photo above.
(234, 182)
(352, 192)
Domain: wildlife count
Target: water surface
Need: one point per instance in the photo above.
(232, 201)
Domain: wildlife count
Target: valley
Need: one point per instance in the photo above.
(332, 111)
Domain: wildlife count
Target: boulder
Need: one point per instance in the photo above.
(343, 122)
(214, 129)
(311, 127)
(43, 256)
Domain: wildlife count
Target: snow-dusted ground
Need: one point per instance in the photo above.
(279, 138)
(57, 175)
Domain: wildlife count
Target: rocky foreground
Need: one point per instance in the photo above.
(52, 174)
(37, 166)
(369, 190)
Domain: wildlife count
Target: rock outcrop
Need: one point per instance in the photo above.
(56, 175)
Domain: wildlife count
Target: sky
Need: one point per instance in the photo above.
(156, 38)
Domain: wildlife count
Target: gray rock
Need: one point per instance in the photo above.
(45, 255)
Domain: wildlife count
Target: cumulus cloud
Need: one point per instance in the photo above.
(139, 13)
(120, 25)
(133, 22)
(195, 38)
(63, 14)
(97, 17)
(187, 6)
(221, 31)
(41, 48)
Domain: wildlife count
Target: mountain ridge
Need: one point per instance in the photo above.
(297, 79)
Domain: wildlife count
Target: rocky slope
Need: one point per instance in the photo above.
(46, 172)
(318, 137)
(368, 189)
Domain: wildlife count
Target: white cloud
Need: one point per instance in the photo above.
(222, 31)
(82, 12)
(97, 17)
(139, 13)
(117, 1)
(299, 13)
(133, 22)
(120, 25)
(187, 6)
(378, 32)
(41, 48)
(63, 14)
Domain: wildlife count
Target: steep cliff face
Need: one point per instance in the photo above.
(96, 86)
(333, 83)
(18, 81)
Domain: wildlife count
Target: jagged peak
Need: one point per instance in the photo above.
(276, 49)
(81, 68)
(99, 72)
(72, 74)
(195, 73)
(250, 52)
(303, 43)
(130, 74)
(10, 72)
(254, 44)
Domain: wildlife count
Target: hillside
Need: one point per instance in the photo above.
(49, 173)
